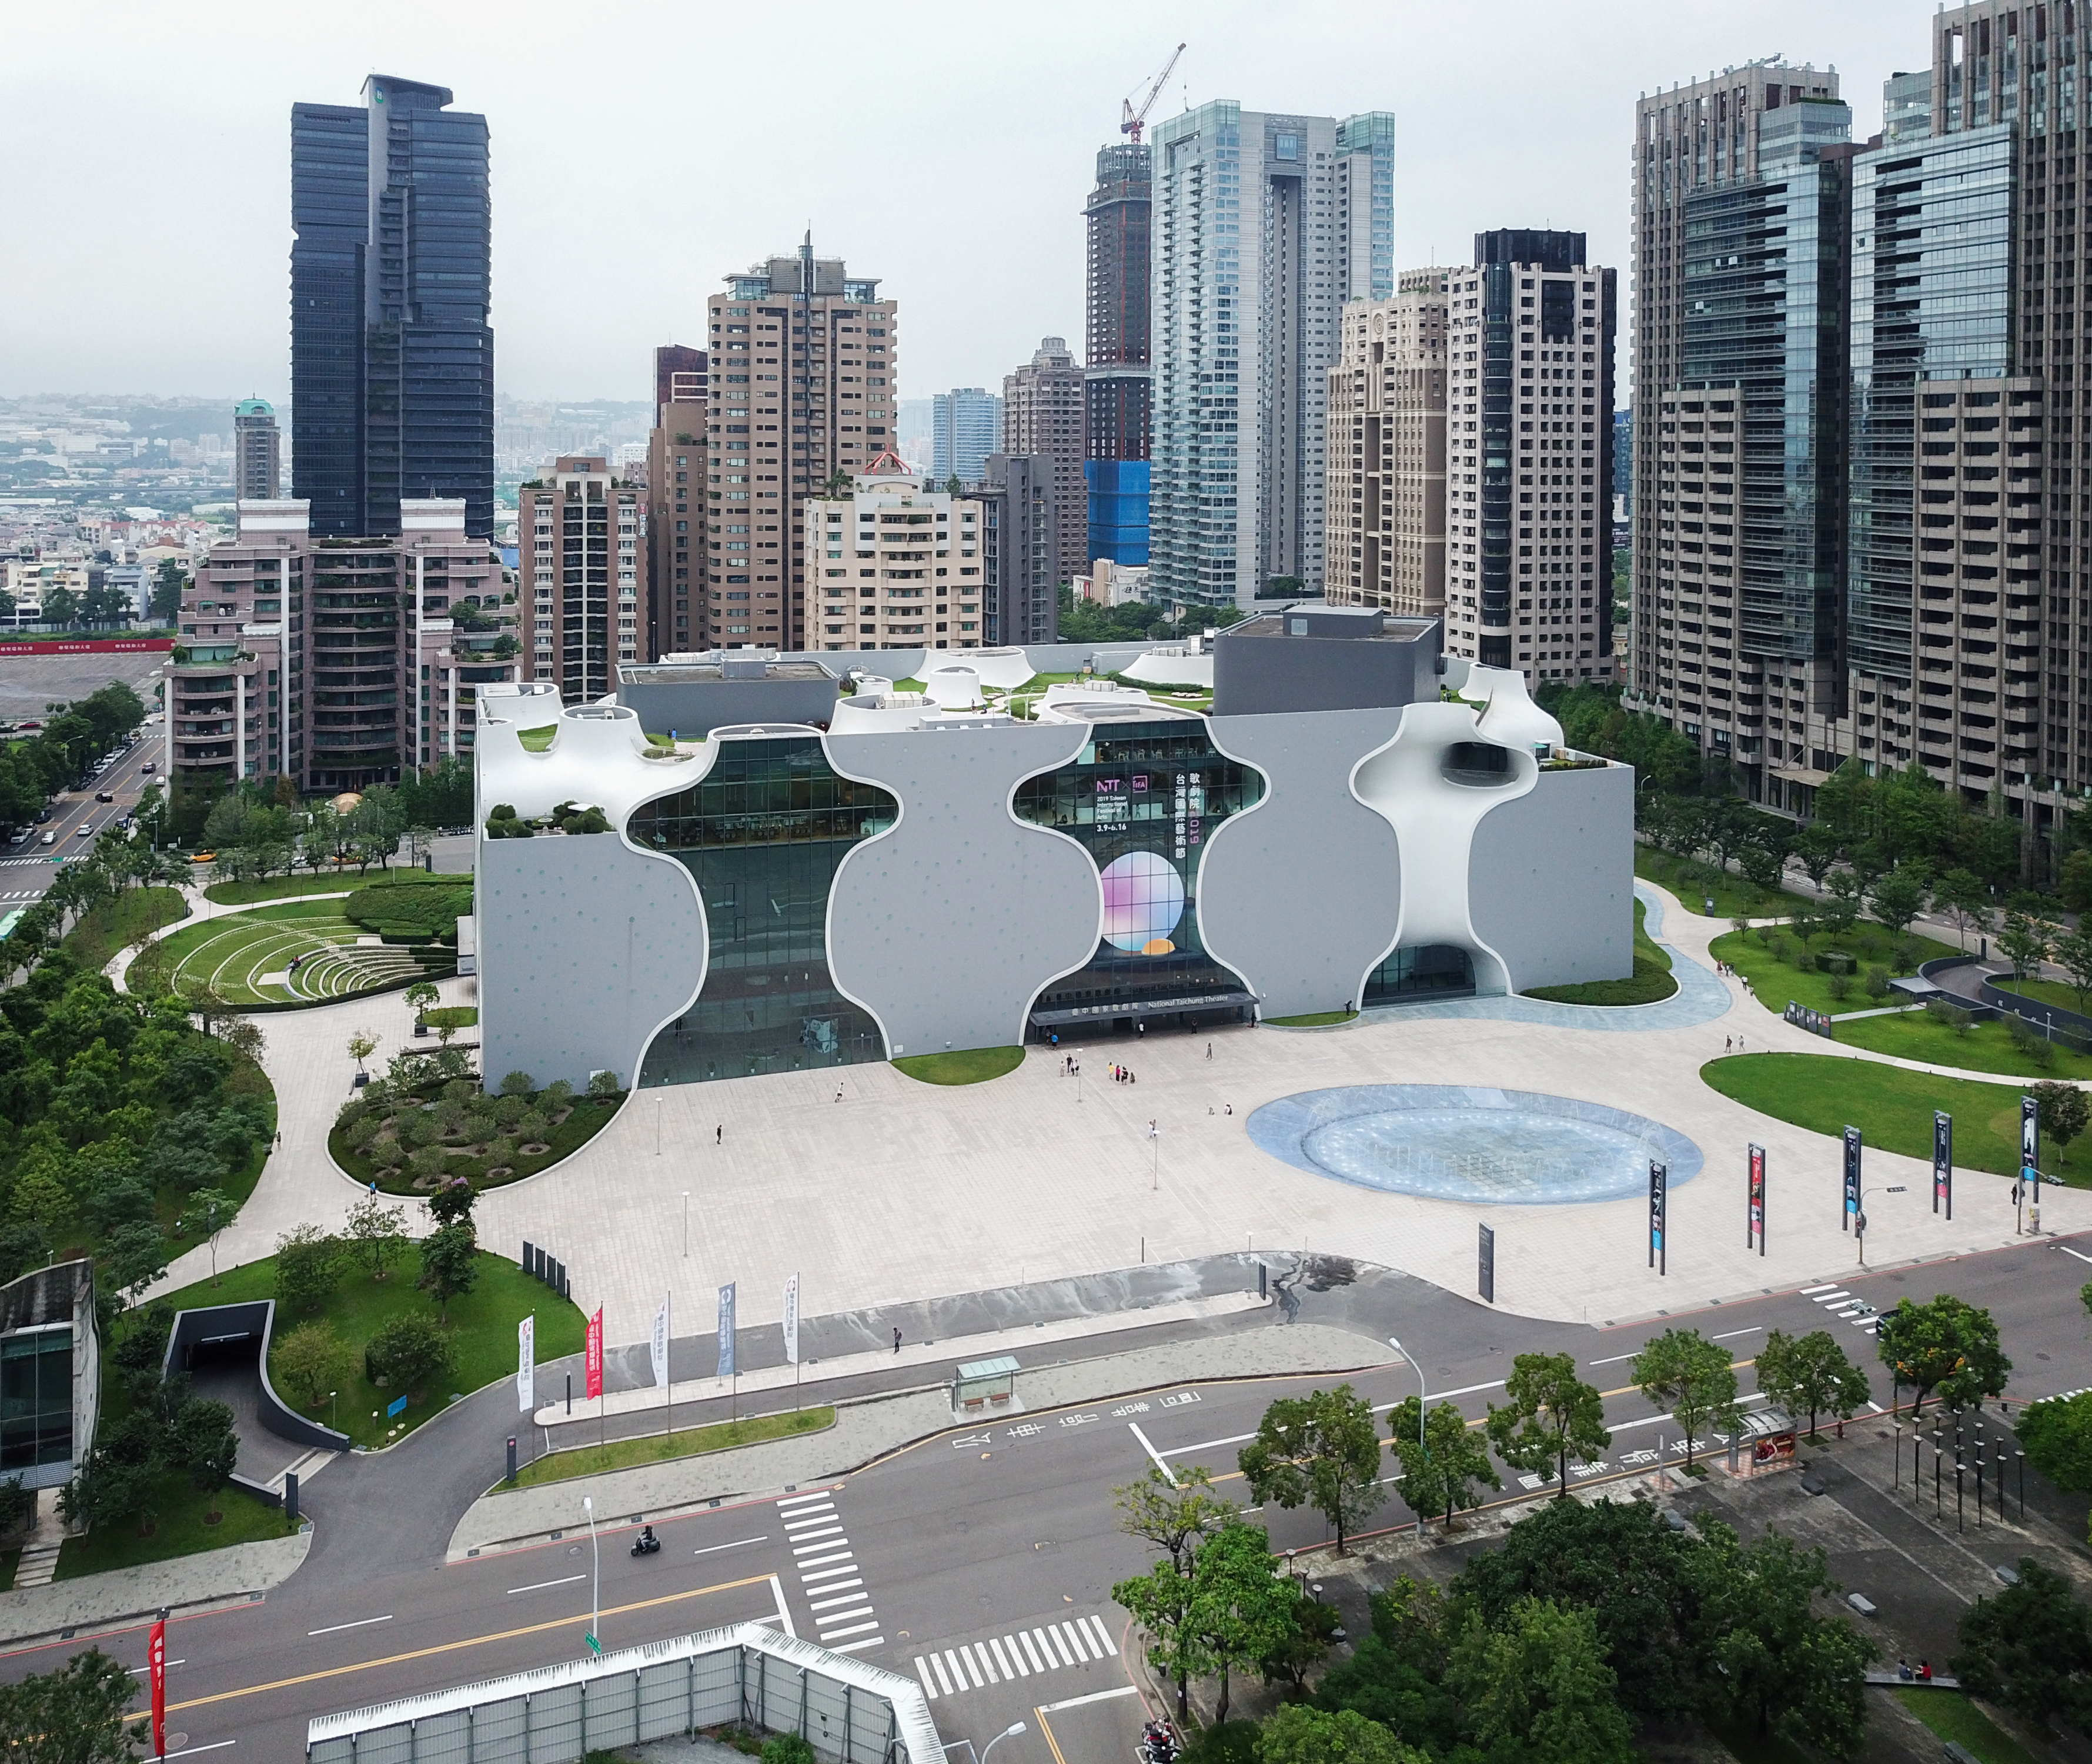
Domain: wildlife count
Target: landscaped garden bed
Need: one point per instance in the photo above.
(968, 1065)
(409, 1137)
(1692, 880)
(1651, 982)
(591, 1460)
(1830, 970)
(306, 952)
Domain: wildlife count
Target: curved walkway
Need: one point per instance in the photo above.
(1700, 996)
(201, 909)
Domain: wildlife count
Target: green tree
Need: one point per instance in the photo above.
(377, 1235)
(1172, 1515)
(2024, 942)
(311, 1363)
(451, 1203)
(1682, 1371)
(1810, 1374)
(409, 1350)
(1243, 1611)
(1781, 1667)
(2063, 1110)
(2072, 952)
(1898, 897)
(1299, 1734)
(1443, 1463)
(1550, 1415)
(1962, 893)
(1320, 1449)
(421, 995)
(1163, 1602)
(2057, 1435)
(1538, 1687)
(168, 585)
(308, 1267)
(72, 1715)
(1841, 902)
(1817, 846)
(200, 1440)
(2030, 1648)
(1946, 1345)
(361, 1045)
(450, 1263)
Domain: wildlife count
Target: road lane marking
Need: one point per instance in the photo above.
(1083, 1653)
(1060, 1647)
(1148, 1447)
(923, 1672)
(450, 1647)
(2067, 1251)
(1616, 1360)
(1032, 1652)
(822, 1562)
(809, 1580)
(958, 1670)
(1734, 1334)
(858, 1647)
(944, 1682)
(977, 1655)
(738, 1543)
(1810, 1292)
(540, 1586)
(1018, 1670)
(792, 1501)
(825, 1539)
(361, 1623)
(840, 1586)
(1093, 1696)
(842, 1596)
(1104, 1635)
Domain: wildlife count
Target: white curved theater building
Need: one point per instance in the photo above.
(805, 870)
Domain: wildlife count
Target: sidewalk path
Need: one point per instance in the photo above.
(95, 1601)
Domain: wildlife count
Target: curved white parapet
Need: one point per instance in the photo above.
(1433, 803)
(1512, 717)
(1172, 667)
(872, 683)
(1004, 670)
(953, 686)
(1100, 701)
(596, 757)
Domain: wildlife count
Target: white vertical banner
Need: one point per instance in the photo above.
(657, 1344)
(792, 1321)
(526, 1364)
(726, 1361)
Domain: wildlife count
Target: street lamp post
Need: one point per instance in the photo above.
(1155, 1162)
(596, 1577)
(1014, 1728)
(1859, 1218)
(1422, 1398)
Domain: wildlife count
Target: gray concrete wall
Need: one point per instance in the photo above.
(254, 1320)
(1258, 674)
(694, 707)
(1551, 879)
(1299, 896)
(586, 948)
(945, 926)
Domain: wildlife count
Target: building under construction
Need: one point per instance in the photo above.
(1116, 395)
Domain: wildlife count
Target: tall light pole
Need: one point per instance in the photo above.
(595, 1579)
(1860, 1219)
(1014, 1727)
(1421, 1399)
(1155, 1162)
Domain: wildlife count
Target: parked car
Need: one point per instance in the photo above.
(44, 813)
(83, 831)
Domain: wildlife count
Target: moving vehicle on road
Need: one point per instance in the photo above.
(105, 796)
(147, 766)
(82, 830)
(645, 1543)
(50, 838)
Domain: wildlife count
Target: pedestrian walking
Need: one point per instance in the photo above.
(896, 1340)
(1209, 1050)
(1728, 1044)
(839, 1093)
(719, 1134)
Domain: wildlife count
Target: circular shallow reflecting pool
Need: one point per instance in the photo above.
(1502, 1147)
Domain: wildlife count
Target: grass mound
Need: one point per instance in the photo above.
(968, 1066)
(1651, 981)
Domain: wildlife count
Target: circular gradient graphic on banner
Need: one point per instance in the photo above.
(1144, 899)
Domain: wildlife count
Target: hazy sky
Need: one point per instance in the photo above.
(642, 151)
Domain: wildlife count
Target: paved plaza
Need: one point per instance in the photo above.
(877, 1189)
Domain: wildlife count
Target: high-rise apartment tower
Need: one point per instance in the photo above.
(802, 386)
(581, 580)
(257, 452)
(675, 519)
(1116, 391)
(1386, 535)
(966, 426)
(1263, 227)
(1043, 414)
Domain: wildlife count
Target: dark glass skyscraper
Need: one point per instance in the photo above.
(392, 355)
(1116, 391)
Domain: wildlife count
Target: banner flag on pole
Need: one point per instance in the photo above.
(592, 1356)
(657, 1344)
(526, 1364)
(1943, 1161)
(156, 1660)
(726, 1330)
(792, 1321)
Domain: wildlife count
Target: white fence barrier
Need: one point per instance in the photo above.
(848, 1712)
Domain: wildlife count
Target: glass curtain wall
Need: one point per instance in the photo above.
(763, 834)
(36, 1398)
(1143, 800)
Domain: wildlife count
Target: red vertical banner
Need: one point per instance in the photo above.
(156, 1662)
(592, 1355)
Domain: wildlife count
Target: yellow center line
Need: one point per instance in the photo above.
(451, 1647)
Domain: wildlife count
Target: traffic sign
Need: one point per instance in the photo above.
(594, 1646)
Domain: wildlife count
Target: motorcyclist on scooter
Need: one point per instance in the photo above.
(647, 1543)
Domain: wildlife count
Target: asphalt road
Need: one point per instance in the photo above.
(27, 865)
(975, 1547)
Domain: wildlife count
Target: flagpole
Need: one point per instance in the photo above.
(669, 1362)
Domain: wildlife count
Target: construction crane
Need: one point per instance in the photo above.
(1131, 120)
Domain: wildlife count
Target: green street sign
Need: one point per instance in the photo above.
(594, 1646)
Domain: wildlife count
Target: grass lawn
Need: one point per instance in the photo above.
(1314, 1019)
(1914, 1034)
(235, 953)
(284, 887)
(658, 1448)
(968, 1065)
(117, 924)
(451, 1017)
(1651, 980)
(1892, 1108)
(1952, 1716)
(588, 1117)
(2056, 992)
(482, 1323)
(1692, 881)
(178, 1530)
(537, 740)
(1869, 946)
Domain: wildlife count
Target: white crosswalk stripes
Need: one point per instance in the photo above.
(843, 1616)
(1019, 1654)
(1841, 1304)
